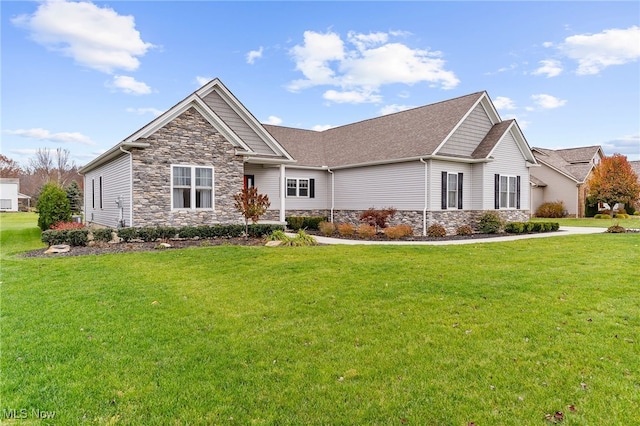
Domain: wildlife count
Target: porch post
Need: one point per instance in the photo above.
(283, 187)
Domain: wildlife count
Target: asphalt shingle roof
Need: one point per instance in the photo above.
(575, 162)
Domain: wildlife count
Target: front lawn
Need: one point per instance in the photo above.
(500, 333)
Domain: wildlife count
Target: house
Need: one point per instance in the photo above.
(10, 195)
(445, 163)
(562, 176)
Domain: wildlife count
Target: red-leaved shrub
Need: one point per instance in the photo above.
(60, 226)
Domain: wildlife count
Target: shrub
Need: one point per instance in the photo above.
(53, 206)
(301, 238)
(166, 232)
(377, 218)
(188, 232)
(294, 222)
(346, 229)
(490, 223)
(103, 234)
(616, 229)
(326, 228)
(602, 216)
(148, 234)
(631, 209)
(636, 213)
(621, 216)
(66, 225)
(127, 234)
(551, 210)
(464, 230)
(398, 231)
(73, 237)
(366, 231)
(436, 230)
(259, 230)
(514, 227)
(304, 222)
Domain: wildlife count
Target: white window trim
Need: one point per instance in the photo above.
(515, 193)
(193, 207)
(297, 187)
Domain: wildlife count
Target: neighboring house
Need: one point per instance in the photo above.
(443, 163)
(562, 176)
(10, 195)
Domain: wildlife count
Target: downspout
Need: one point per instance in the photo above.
(131, 188)
(426, 197)
(332, 193)
(282, 192)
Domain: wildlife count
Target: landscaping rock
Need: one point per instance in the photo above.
(58, 248)
(273, 243)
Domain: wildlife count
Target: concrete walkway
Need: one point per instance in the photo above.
(564, 230)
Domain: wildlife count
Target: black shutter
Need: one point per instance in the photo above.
(459, 190)
(443, 204)
(496, 192)
(518, 192)
(312, 188)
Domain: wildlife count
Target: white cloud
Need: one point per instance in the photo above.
(201, 80)
(351, 96)
(272, 119)
(94, 37)
(595, 52)
(548, 101)
(129, 85)
(502, 102)
(254, 54)
(142, 111)
(390, 109)
(549, 67)
(46, 135)
(364, 63)
(321, 127)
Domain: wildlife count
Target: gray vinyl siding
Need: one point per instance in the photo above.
(559, 187)
(267, 181)
(508, 161)
(469, 134)
(237, 124)
(435, 175)
(116, 181)
(400, 185)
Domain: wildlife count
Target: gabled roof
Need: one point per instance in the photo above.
(409, 134)
(229, 128)
(575, 163)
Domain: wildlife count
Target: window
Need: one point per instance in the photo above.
(451, 190)
(5, 204)
(507, 192)
(192, 187)
(301, 188)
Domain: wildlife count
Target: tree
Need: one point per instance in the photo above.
(613, 181)
(251, 205)
(53, 206)
(75, 197)
(9, 168)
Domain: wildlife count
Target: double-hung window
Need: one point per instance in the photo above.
(300, 187)
(451, 190)
(507, 192)
(191, 187)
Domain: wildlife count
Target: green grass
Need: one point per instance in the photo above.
(632, 223)
(499, 333)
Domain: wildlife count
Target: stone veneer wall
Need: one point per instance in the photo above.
(450, 219)
(188, 140)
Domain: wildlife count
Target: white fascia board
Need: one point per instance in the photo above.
(409, 159)
(483, 96)
(237, 106)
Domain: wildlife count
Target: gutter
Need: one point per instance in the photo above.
(409, 159)
(108, 155)
(332, 192)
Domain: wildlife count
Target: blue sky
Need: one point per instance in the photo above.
(85, 75)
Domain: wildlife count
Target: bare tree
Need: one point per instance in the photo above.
(9, 168)
(56, 166)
